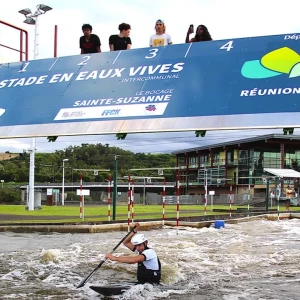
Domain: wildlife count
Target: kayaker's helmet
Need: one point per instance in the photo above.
(138, 239)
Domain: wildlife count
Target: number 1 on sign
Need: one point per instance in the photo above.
(228, 46)
(24, 66)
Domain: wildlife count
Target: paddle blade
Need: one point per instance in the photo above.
(85, 280)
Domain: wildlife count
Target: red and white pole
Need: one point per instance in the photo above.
(230, 199)
(177, 206)
(128, 204)
(80, 198)
(163, 202)
(108, 198)
(205, 197)
(132, 201)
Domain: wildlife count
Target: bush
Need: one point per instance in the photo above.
(10, 196)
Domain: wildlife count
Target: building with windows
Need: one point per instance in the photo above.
(239, 163)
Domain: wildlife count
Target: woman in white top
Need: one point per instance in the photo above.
(160, 38)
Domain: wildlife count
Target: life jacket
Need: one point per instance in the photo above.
(146, 275)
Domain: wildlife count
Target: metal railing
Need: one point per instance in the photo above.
(22, 32)
(102, 184)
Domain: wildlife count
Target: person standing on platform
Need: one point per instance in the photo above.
(160, 38)
(122, 40)
(202, 34)
(289, 194)
(89, 42)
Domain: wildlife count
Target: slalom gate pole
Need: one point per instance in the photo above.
(278, 192)
(177, 206)
(205, 197)
(132, 201)
(128, 203)
(230, 199)
(80, 198)
(108, 198)
(248, 200)
(163, 202)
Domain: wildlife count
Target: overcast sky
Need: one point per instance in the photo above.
(224, 19)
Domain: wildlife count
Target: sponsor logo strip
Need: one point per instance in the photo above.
(107, 112)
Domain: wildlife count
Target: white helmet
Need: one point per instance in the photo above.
(138, 239)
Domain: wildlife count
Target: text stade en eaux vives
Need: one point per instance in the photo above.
(94, 75)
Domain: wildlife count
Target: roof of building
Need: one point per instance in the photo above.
(283, 173)
(241, 141)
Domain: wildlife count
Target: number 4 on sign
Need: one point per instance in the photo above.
(228, 46)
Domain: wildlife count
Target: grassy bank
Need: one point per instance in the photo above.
(55, 214)
(102, 210)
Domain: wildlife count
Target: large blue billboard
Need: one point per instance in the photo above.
(228, 84)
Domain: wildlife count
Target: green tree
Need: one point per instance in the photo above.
(48, 166)
(10, 196)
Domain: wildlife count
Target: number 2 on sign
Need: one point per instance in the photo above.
(85, 59)
(228, 46)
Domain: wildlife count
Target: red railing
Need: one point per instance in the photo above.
(22, 32)
(55, 41)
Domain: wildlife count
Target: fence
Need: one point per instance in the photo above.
(100, 197)
(221, 199)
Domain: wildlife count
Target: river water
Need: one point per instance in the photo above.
(250, 260)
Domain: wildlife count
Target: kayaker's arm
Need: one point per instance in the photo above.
(126, 259)
(127, 241)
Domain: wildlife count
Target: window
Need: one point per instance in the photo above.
(244, 167)
(204, 160)
(193, 162)
(230, 157)
(217, 157)
(214, 176)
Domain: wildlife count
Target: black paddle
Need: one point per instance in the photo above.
(83, 282)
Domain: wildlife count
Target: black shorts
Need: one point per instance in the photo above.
(287, 200)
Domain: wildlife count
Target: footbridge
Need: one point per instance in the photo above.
(228, 84)
(244, 83)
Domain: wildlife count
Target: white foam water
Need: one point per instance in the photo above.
(252, 260)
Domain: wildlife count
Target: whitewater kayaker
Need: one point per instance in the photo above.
(149, 267)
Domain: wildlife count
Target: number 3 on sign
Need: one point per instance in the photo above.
(228, 46)
(153, 53)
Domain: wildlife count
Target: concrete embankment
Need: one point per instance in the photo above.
(144, 225)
